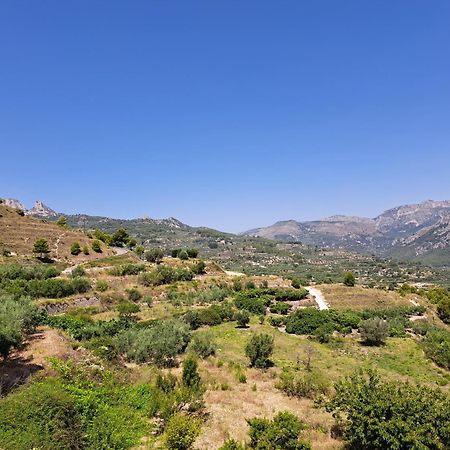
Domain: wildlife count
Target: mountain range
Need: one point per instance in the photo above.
(418, 232)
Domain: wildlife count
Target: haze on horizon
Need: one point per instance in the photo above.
(226, 115)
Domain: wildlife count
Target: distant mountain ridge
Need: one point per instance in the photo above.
(416, 231)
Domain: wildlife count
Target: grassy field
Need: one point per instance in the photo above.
(358, 298)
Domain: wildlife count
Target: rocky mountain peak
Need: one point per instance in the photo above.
(41, 210)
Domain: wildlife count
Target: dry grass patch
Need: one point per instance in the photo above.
(358, 298)
(229, 409)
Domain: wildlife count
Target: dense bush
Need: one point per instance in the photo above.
(42, 415)
(134, 295)
(280, 308)
(18, 317)
(77, 272)
(242, 318)
(202, 345)
(283, 432)
(49, 288)
(154, 255)
(37, 272)
(436, 345)
(374, 331)
(308, 320)
(75, 248)
(127, 269)
(349, 279)
(259, 349)
(96, 246)
(165, 275)
(379, 415)
(303, 384)
(160, 342)
(253, 305)
(181, 432)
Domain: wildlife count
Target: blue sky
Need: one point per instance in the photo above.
(230, 114)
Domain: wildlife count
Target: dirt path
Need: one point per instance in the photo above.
(33, 358)
(58, 240)
(318, 297)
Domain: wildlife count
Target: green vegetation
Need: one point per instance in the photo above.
(374, 331)
(349, 279)
(48, 288)
(202, 345)
(75, 248)
(259, 349)
(377, 414)
(283, 432)
(62, 222)
(159, 342)
(96, 246)
(18, 317)
(40, 247)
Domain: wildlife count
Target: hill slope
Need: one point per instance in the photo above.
(19, 232)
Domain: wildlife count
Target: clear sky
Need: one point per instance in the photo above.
(230, 114)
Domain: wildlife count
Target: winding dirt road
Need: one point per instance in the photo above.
(318, 297)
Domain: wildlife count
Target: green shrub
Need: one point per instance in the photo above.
(242, 318)
(379, 415)
(349, 279)
(202, 345)
(78, 272)
(181, 432)
(160, 342)
(127, 310)
(190, 377)
(259, 349)
(48, 288)
(374, 331)
(436, 345)
(36, 272)
(280, 308)
(305, 384)
(281, 433)
(18, 317)
(96, 246)
(154, 255)
(41, 415)
(127, 269)
(75, 248)
(101, 286)
(134, 295)
(231, 444)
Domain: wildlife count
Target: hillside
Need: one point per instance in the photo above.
(417, 231)
(19, 232)
(260, 255)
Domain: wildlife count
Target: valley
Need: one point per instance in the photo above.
(173, 331)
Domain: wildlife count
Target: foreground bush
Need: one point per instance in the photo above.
(42, 415)
(380, 415)
(18, 317)
(281, 433)
(181, 432)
